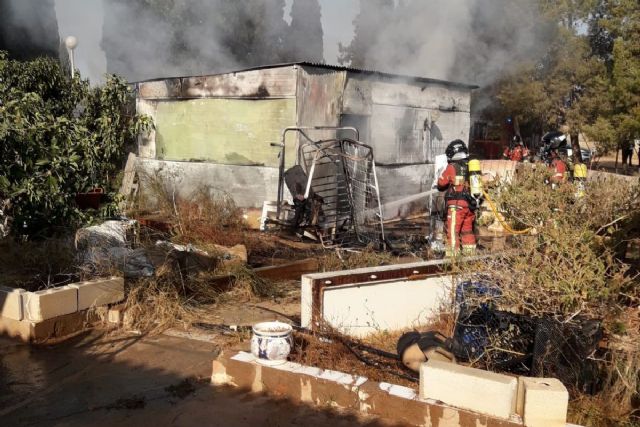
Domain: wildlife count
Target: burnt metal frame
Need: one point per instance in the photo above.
(341, 144)
(282, 146)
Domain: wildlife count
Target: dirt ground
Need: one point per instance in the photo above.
(128, 380)
(608, 164)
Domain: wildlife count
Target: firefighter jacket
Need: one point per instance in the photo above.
(517, 154)
(455, 182)
(559, 168)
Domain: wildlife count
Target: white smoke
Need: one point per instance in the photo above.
(475, 41)
(139, 45)
(470, 40)
(84, 21)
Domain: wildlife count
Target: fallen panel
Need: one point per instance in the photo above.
(359, 302)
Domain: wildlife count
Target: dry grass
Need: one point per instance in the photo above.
(35, 265)
(387, 340)
(172, 298)
(154, 305)
(178, 296)
(618, 404)
(574, 267)
(347, 260)
(208, 215)
(332, 353)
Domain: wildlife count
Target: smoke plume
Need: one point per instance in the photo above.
(475, 41)
(466, 40)
(144, 39)
(28, 28)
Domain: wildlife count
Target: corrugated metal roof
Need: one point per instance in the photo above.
(336, 68)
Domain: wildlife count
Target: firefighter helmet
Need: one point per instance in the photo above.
(554, 139)
(558, 142)
(456, 150)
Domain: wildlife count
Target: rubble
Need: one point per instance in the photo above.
(107, 247)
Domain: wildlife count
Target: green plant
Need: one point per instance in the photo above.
(574, 266)
(59, 137)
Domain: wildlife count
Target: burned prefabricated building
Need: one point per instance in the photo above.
(216, 130)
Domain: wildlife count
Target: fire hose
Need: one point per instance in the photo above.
(500, 218)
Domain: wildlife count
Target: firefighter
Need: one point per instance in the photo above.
(557, 166)
(460, 204)
(517, 152)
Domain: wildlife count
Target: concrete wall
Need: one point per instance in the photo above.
(249, 185)
(397, 182)
(362, 309)
(320, 92)
(223, 119)
(266, 83)
(223, 131)
(410, 121)
(366, 300)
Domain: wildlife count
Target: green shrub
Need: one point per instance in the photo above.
(59, 137)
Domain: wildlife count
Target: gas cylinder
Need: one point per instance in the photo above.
(475, 178)
(580, 178)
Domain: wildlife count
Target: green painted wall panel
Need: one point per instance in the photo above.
(226, 131)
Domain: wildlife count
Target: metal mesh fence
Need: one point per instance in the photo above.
(342, 175)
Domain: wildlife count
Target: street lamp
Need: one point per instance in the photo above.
(71, 42)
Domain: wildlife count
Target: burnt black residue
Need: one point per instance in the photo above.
(262, 92)
(182, 389)
(134, 402)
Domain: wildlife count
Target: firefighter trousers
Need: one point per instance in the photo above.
(459, 226)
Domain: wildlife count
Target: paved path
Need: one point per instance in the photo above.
(97, 380)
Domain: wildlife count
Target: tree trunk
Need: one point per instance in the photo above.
(575, 147)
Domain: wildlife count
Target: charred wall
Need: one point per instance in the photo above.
(230, 119)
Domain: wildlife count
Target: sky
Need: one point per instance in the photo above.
(83, 19)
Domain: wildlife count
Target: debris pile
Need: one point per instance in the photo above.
(334, 191)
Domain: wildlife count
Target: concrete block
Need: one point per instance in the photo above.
(20, 329)
(468, 388)
(11, 302)
(115, 314)
(544, 402)
(49, 303)
(324, 388)
(99, 292)
(55, 328)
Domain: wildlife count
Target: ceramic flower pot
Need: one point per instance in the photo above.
(271, 342)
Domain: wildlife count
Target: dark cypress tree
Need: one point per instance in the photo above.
(266, 28)
(367, 24)
(29, 28)
(304, 39)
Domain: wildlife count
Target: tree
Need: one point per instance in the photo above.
(304, 38)
(266, 29)
(569, 86)
(568, 13)
(367, 24)
(29, 29)
(626, 68)
(615, 36)
(59, 137)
